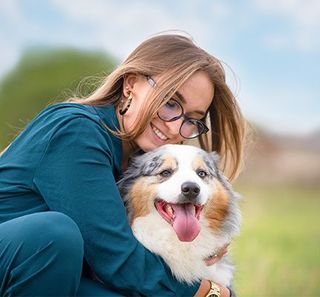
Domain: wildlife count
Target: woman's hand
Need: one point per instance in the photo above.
(205, 284)
(205, 287)
(218, 256)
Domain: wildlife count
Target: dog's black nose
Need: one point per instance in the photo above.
(190, 190)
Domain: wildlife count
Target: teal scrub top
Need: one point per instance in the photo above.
(66, 160)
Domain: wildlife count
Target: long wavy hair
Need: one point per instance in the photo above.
(175, 58)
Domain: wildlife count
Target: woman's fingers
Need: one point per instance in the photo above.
(218, 256)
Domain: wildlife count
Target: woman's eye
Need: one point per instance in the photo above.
(171, 104)
(166, 173)
(202, 173)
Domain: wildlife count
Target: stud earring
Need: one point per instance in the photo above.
(122, 110)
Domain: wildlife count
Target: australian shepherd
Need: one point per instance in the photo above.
(182, 208)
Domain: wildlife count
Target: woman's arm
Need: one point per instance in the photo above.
(75, 176)
(225, 292)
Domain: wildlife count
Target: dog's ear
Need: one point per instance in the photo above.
(215, 163)
(150, 164)
(139, 165)
(129, 175)
(214, 156)
(212, 161)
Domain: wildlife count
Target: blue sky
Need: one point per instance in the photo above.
(272, 46)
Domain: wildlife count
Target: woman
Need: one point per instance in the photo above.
(59, 203)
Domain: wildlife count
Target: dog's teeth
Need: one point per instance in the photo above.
(194, 210)
(169, 210)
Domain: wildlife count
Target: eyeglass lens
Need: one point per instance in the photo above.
(189, 129)
(172, 111)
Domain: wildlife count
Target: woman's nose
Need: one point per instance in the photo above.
(174, 127)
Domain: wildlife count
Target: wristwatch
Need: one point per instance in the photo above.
(214, 290)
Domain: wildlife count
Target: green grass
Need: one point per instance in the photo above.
(278, 251)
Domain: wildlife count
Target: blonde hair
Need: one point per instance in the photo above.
(175, 58)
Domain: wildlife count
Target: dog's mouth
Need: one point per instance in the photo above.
(184, 218)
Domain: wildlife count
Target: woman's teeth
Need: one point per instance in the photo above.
(159, 133)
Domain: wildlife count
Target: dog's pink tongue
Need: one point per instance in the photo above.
(185, 224)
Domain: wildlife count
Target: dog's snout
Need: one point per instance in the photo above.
(190, 190)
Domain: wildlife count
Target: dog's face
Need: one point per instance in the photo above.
(181, 184)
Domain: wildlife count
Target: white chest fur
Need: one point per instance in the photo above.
(186, 259)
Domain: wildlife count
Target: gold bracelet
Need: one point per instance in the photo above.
(214, 290)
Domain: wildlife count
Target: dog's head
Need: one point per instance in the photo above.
(183, 185)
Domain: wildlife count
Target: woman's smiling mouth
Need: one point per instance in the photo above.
(159, 133)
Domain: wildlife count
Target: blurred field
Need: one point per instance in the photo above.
(278, 251)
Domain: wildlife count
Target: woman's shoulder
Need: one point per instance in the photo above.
(67, 119)
(63, 114)
(66, 125)
(68, 110)
(84, 126)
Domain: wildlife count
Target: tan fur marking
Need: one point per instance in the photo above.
(169, 162)
(198, 163)
(216, 209)
(142, 196)
(143, 192)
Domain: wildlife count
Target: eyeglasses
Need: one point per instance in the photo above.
(172, 110)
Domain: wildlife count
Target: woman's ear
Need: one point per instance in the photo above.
(128, 84)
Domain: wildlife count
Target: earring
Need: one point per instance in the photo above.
(122, 110)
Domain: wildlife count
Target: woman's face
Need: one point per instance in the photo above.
(196, 95)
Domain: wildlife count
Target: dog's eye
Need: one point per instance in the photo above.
(202, 173)
(166, 173)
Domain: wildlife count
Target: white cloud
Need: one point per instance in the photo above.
(9, 9)
(302, 22)
(119, 27)
(302, 12)
(15, 31)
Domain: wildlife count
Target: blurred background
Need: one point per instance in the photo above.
(271, 53)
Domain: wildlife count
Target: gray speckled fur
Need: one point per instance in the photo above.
(140, 165)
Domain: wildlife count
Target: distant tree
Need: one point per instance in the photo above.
(44, 76)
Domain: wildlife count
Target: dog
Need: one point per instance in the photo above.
(182, 208)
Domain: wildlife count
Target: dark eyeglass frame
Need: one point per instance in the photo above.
(202, 127)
